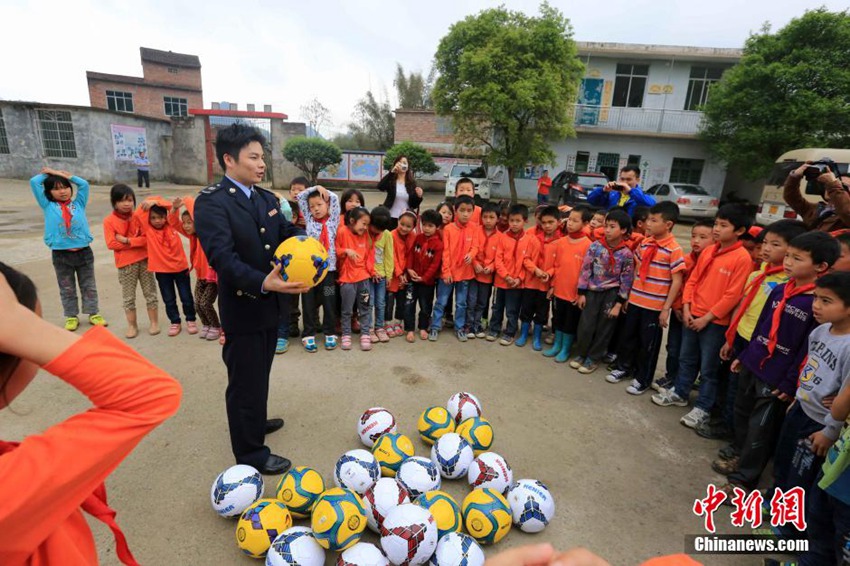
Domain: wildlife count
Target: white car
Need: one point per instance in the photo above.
(693, 200)
(478, 175)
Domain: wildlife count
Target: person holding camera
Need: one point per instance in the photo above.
(401, 189)
(833, 212)
(624, 192)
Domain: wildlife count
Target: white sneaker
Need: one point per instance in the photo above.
(695, 418)
(616, 376)
(635, 388)
(668, 397)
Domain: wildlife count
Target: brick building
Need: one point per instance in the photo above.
(169, 86)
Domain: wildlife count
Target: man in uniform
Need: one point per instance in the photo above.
(240, 226)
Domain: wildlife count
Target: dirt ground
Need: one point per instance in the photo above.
(624, 473)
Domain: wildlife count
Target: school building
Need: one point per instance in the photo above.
(637, 104)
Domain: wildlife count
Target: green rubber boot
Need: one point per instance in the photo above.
(567, 343)
(556, 347)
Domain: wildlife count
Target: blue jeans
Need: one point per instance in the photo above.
(506, 304)
(828, 528)
(478, 303)
(378, 292)
(167, 283)
(700, 355)
(444, 292)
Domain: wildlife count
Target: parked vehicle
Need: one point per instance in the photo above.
(694, 201)
(772, 206)
(476, 172)
(572, 188)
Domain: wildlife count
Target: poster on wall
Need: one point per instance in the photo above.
(365, 167)
(338, 172)
(128, 141)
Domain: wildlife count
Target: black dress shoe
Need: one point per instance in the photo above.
(273, 425)
(275, 465)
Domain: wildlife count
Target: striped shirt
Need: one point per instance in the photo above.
(651, 293)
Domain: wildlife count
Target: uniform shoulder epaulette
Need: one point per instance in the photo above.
(258, 188)
(211, 189)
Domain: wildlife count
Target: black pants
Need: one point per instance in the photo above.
(324, 295)
(566, 317)
(758, 418)
(167, 282)
(795, 466)
(144, 176)
(595, 328)
(396, 301)
(423, 295)
(535, 307)
(639, 344)
(248, 358)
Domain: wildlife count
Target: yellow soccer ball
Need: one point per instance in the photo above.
(302, 260)
(391, 450)
(445, 510)
(478, 432)
(338, 519)
(487, 515)
(299, 489)
(260, 524)
(434, 423)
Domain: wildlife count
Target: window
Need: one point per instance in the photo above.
(119, 101)
(4, 141)
(663, 190)
(444, 126)
(57, 133)
(634, 161)
(630, 85)
(582, 160)
(686, 170)
(700, 84)
(176, 106)
(172, 70)
(608, 163)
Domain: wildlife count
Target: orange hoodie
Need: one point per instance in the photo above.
(528, 251)
(63, 468)
(165, 250)
(569, 254)
(354, 270)
(401, 247)
(125, 254)
(506, 259)
(197, 257)
(717, 281)
(486, 258)
(634, 240)
(458, 242)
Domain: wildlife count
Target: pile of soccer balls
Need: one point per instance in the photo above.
(393, 492)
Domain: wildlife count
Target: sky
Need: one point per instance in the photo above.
(288, 53)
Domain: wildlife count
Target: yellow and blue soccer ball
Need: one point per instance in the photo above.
(478, 432)
(434, 423)
(445, 510)
(338, 519)
(487, 515)
(260, 524)
(299, 489)
(302, 260)
(391, 450)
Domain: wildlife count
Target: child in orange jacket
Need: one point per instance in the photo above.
(124, 237)
(484, 265)
(60, 471)
(206, 285)
(167, 260)
(508, 278)
(460, 246)
(535, 252)
(403, 238)
(355, 268)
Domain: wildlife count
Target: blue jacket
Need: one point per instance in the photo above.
(56, 236)
(637, 197)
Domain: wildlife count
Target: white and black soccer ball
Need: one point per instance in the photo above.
(490, 470)
(235, 489)
(457, 549)
(373, 423)
(295, 546)
(409, 535)
(357, 470)
(463, 405)
(453, 455)
(532, 505)
(418, 475)
(380, 498)
(362, 554)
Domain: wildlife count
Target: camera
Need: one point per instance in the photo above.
(815, 170)
(403, 167)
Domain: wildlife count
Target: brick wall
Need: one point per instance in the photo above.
(157, 73)
(147, 101)
(419, 126)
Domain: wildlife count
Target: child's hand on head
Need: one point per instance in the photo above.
(177, 203)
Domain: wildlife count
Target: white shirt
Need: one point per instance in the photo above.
(400, 204)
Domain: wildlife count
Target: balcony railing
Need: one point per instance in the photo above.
(646, 120)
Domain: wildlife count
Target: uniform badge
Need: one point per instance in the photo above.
(272, 212)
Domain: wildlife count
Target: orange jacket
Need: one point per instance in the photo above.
(597, 234)
(165, 250)
(528, 252)
(401, 247)
(690, 261)
(354, 270)
(64, 467)
(568, 256)
(125, 254)
(197, 257)
(634, 240)
(717, 285)
(486, 258)
(506, 260)
(458, 242)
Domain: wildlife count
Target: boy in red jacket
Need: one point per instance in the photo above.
(423, 266)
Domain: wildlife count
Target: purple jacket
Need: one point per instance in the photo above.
(597, 274)
(782, 369)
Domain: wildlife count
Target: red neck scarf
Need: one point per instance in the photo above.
(612, 262)
(66, 215)
(515, 235)
(646, 259)
(791, 290)
(126, 218)
(715, 253)
(324, 239)
(750, 293)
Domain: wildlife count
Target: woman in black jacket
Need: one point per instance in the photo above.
(401, 189)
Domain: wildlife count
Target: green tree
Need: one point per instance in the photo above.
(412, 88)
(311, 155)
(509, 81)
(418, 157)
(790, 90)
(374, 123)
